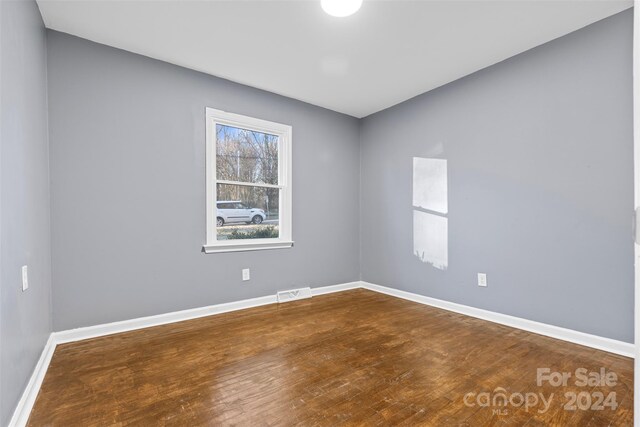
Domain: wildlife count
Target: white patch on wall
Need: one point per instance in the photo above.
(430, 184)
(430, 239)
(430, 207)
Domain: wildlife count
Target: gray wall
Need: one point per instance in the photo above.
(25, 318)
(128, 189)
(540, 185)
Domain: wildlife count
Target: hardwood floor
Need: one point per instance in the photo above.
(349, 358)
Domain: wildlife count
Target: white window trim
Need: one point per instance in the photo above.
(284, 133)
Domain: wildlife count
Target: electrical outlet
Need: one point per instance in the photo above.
(25, 278)
(482, 280)
(246, 274)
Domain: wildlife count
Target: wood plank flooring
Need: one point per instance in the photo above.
(349, 358)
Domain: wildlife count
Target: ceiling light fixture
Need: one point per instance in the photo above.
(340, 8)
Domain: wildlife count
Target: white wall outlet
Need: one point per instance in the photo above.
(482, 280)
(246, 274)
(25, 278)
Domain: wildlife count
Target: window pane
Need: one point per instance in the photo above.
(246, 156)
(245, 212)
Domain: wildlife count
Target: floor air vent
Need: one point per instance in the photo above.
(294, 294)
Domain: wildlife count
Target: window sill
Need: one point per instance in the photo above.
(248, 246)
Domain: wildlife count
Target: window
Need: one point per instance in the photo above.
(248, 183)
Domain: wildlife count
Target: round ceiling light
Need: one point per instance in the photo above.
(340, 8)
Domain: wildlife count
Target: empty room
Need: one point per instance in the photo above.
(319, 212)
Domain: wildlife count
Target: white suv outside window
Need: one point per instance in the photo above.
(230, 211)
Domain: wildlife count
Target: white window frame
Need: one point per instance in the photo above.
(284, 133)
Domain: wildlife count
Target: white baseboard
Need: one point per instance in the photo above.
(21, 414)
(594, 341)
(28, 398)
(78, 334)
(335, 288)
(87, 332)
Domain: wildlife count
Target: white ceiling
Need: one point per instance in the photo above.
(386, 53)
